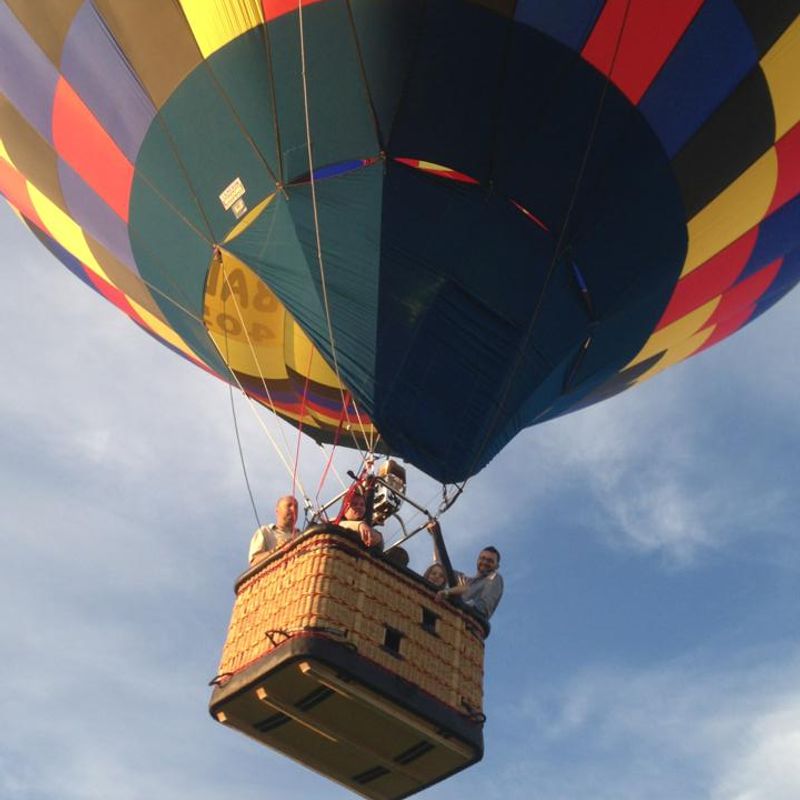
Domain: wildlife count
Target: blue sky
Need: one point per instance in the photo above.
(647, 644)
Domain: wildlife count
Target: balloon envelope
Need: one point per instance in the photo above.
(475, 216)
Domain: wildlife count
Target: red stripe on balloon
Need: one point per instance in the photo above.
(649, 33)
(746, 292)
(277, 8)
(709, 280)
(739, 303)
(531, 216)
(14, 187)
(86, 146)
(788, 184)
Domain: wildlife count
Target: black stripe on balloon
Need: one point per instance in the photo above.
(620, 382)
(768, 19)
(740, 131)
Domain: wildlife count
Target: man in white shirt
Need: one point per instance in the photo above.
(270, 537)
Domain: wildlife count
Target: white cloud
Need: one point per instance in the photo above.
(767, 767)
(695, 728)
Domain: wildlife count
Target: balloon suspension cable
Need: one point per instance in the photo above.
(329, 462)
(315, 209)
(300, 421)
(329, 466)
(238, 437)
(283, 457)
(449, 500)
(318, 239)
(254, 355)
(440, 551)
(241, 456)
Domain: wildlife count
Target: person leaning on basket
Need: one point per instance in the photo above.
(483, 591)
(277, 534)
(354, 511)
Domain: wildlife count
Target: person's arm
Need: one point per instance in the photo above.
(452, 591)
(486, 601)
(440, 552)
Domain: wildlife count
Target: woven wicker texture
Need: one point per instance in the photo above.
(325, 586)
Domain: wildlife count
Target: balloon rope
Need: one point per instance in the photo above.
(363, 70)
(520, 354)
(320, 259)
(251, 346)
(207, 66)
(302, 417)
(236, 431)
(260, 421)
(241, 455)
(330, 458)
(251, 403)
(271, 80)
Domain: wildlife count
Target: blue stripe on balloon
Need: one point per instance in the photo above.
(715, 54)
(330, 171)
(95, 216)
(787, 278)
(777, 235)
(568, 21)
(27, 77)
(94, 66)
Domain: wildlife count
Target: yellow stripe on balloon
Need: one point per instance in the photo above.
(429, 165)
(781, 67)
(679, 351)
(733, 212)
(7, 158)
(244, 319)
(65, 231)
(249, 218)
(678, 332)
(4, 153)
(214, 23)
(249, 358)
(304, 358)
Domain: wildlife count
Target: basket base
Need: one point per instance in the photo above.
(322, 705)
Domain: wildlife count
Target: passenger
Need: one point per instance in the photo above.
(355, 509)
(484, 590)
(397, 555)
(436, 575)
(270, 537)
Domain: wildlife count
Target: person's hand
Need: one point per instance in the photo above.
(441, 595)
(369, 536)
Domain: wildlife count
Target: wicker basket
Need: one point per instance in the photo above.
(401, 675)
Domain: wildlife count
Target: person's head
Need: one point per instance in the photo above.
(435, 574)
(356, 507)
(488, 560)
(286, 513)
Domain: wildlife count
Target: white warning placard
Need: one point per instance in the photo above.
(232, 192)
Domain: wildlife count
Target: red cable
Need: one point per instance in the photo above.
(300, 423)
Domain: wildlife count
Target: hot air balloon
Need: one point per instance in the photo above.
(417, 226)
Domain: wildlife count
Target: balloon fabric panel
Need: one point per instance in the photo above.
(518, 208)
